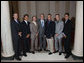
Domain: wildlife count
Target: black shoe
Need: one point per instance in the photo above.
(21, 55)
(18, 59)
(50, 53)
(44, 49)
(33, 52)
(29, 51)
(40, 50)
(67, 55)
(25, 55)
(60, 53)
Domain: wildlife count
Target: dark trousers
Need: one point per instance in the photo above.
(42, 42)
(26, 46)
(67, 45)
(17, 48)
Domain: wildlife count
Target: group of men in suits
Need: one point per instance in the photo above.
(41, 34)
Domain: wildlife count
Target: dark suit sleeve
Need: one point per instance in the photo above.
(29, 29)
(22, 30)
(20, 27)
(45, 28)
(69, 29)
(13, 31)
(53, 28)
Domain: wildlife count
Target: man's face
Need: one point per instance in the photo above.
(26, 18)
(66, 17)
(42, 17)
(15, 16)
(57, 17)
(34, 18)
(49, 17)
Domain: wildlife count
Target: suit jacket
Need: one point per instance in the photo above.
(25, 29)
(59, 25)
(15, 28)
(33, 29)
(67, 28)
(40, 28)
(49, 29)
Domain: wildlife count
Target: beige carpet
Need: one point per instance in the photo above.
(43, 57)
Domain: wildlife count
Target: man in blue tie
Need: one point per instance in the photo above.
(41, 26)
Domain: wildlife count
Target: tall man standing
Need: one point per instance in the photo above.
(67, 34)
(26, 34)
(41, 27)
(49, 32)
(16, 34)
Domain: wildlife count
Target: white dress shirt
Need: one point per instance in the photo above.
(35, 23)
(25, 21)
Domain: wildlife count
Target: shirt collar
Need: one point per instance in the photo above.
(66, 21)
(25, 20)
(16, 20)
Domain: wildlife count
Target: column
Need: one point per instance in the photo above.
(78, 44)
(53, 9)
(6, 30)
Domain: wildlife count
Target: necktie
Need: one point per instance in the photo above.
(48, 22)
(57, 22)
(42, 24)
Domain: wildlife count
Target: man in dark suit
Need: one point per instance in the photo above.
(67, 34)
(49, 33)
(25, 26)
(16, 34)
(41, 27)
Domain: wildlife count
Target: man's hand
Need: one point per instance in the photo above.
(20, 34)
(36, 34)
(65, 36)
(44, 35)
(27, 36)
(57, 34)
(51, 37)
